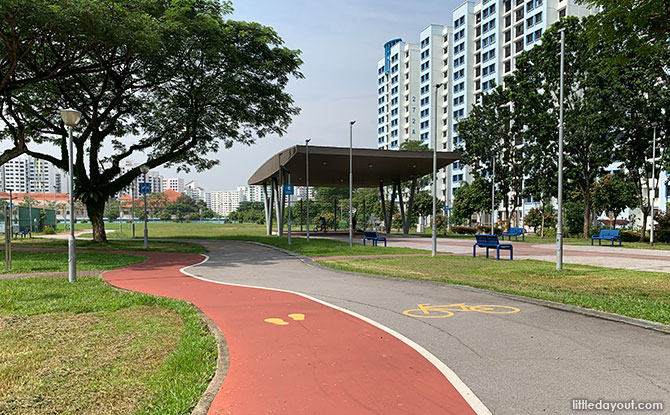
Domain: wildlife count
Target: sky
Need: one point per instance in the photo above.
(341, 42)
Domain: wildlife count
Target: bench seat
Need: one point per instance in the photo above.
(372, 236)
(491, 241)
(607, 235)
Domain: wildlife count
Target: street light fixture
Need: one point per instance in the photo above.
(71, 118)
(307, 178)
(351, 183)
(145, 169)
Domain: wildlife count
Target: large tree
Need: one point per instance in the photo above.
(472, 198)
(177, 83)
(636, 99)
(42, 40)
(613, 193)
(588, 142)
(641, 25)
(489, 133)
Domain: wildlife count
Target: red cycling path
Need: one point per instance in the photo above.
(317, 360)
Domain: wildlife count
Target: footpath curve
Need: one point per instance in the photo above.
(290, 354)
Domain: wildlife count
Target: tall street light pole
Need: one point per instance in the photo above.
(559, 225)
(30, 201)
(434, 227)
(653, 184)
(307, 179)
(71, 118)
(351, 182)
(132, 196)
(493, 195)
(145, 169)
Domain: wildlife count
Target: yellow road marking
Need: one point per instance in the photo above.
(276, 321)
(444, 311)
(297, 316)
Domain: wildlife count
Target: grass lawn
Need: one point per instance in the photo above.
(25, 261)
(567, 241)
(89, 348)
(254, 233)
(639, 294)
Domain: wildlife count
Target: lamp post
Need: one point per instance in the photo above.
(493, 194)
(145, 169)
(71, 118)
(30, 204)
(351, 182)
(132, 196)
(307, 179)
(434, 227)
(653, 184)
(559, 224)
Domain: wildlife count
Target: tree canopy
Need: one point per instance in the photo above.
(172, 81)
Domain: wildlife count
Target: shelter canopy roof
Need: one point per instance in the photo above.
(329, 166)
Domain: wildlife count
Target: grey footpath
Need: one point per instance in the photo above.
(535, 361)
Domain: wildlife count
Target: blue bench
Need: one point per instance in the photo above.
(607, 235)
(23, 233)
(372, 236)
(514, 232)
(491, 241)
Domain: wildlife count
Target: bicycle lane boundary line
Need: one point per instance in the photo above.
(463, 390)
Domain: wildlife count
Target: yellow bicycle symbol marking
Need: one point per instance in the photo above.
(443, 311)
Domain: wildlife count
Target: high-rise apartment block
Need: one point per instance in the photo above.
(28, 174)
(176, 184)
(425, 88)
(152, 177)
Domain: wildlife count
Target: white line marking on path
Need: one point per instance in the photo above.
(452, 377)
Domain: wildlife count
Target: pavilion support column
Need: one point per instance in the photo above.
(402, 208)
(283, 203)
(410, 205)
(334, 214)
(278, 199)
(390, 224)
(383, 197)
(267, 203)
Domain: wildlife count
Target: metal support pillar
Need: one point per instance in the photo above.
(267, 204)
(383, 197)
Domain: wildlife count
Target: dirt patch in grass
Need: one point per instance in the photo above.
(87, 363)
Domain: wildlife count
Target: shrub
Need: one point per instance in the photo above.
(464, 230)
(662, 235)
(629, 236)
(49, 230)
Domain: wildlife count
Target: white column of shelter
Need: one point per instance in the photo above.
(267, 203)
(278, 201)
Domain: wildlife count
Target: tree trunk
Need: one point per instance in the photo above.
(96, 215)
(645, 214)
(587, 213)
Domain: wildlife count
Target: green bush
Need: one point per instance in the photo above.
(464, 230)
(662, 235)
(629, 236)
(49, 230)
